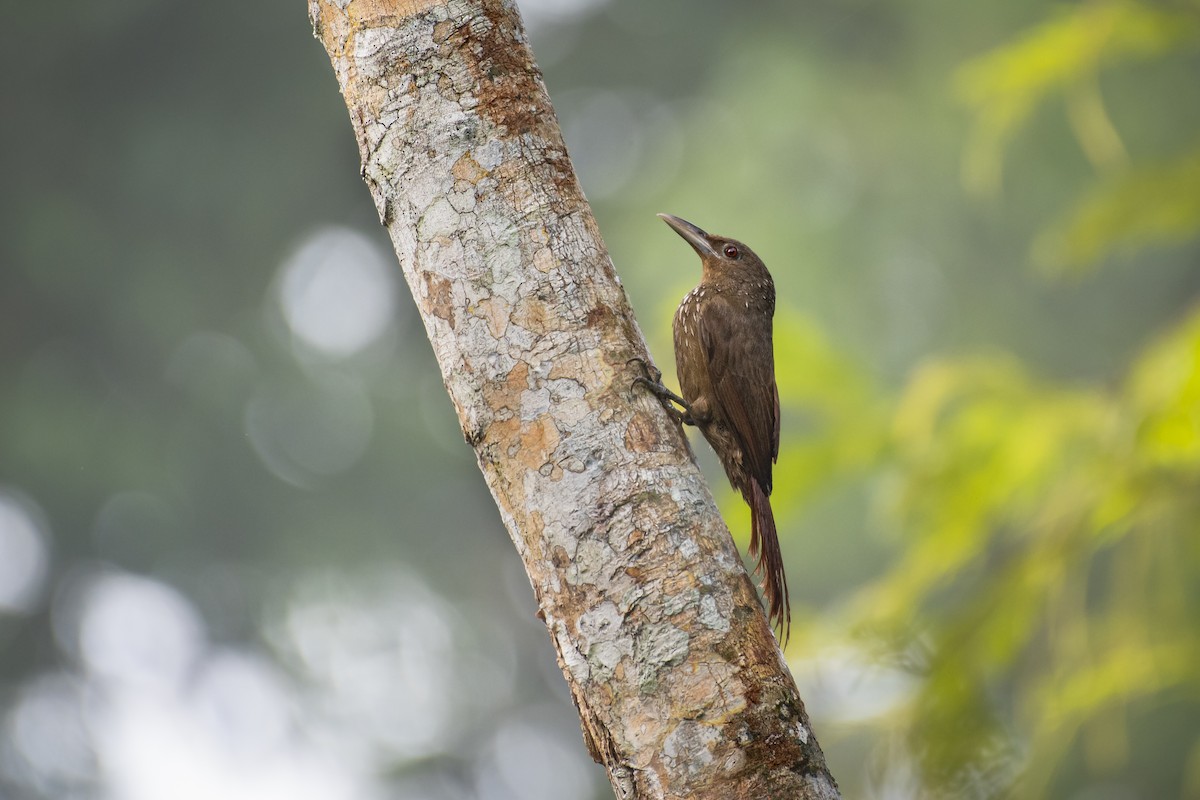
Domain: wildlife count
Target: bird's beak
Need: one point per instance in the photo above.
(697, 238)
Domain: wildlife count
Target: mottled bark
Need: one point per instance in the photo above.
(681, 688)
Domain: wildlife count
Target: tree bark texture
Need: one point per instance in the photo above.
(681, 688)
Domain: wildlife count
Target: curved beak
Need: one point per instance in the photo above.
(694, 236)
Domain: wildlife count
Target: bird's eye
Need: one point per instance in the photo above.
(731, 251)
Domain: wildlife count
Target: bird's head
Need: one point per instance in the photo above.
(720, 255)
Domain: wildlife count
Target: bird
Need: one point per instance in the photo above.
(725, 362)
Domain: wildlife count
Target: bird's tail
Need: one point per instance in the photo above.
(764, 543)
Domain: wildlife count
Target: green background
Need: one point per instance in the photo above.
(244, 551)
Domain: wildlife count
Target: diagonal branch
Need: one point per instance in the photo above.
(681, 688)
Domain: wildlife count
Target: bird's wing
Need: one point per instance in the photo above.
(775, 435)
(741, 368)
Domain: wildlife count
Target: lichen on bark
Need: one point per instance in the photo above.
(680, 685)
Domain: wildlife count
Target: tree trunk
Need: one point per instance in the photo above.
(681, 688)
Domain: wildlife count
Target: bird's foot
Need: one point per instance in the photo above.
(650, 373)
(651, 380)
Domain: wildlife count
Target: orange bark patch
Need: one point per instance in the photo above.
(693, 683)
(581, 368)
(437, 295)
(467, 169)
(544, 260)
(509, 84)
(369, 11)
(634, 537)
(538, 440)
(677, 584)
(507, 393)
(495, 311)
(534, 314)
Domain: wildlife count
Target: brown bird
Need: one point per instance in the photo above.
(725, 360)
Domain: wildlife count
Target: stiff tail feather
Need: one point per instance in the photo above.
(764, 543)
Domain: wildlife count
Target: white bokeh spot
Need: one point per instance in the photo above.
(23, 556)
(134, 630)
(338, 292)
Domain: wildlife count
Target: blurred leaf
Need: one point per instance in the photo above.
(1061, 54)
(814, 376)
(1124, 672)
(833, 413)
(1143, 206)
(1165, 391)
(1048, 553)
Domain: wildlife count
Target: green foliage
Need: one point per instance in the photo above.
(836, 412)
(1137, 207)
(1134, 205)
(1050, 561)
(1062, 55)
(987, 478)
(1049, 532)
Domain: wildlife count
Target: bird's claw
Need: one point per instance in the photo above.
(650, 373)
(651, 379)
